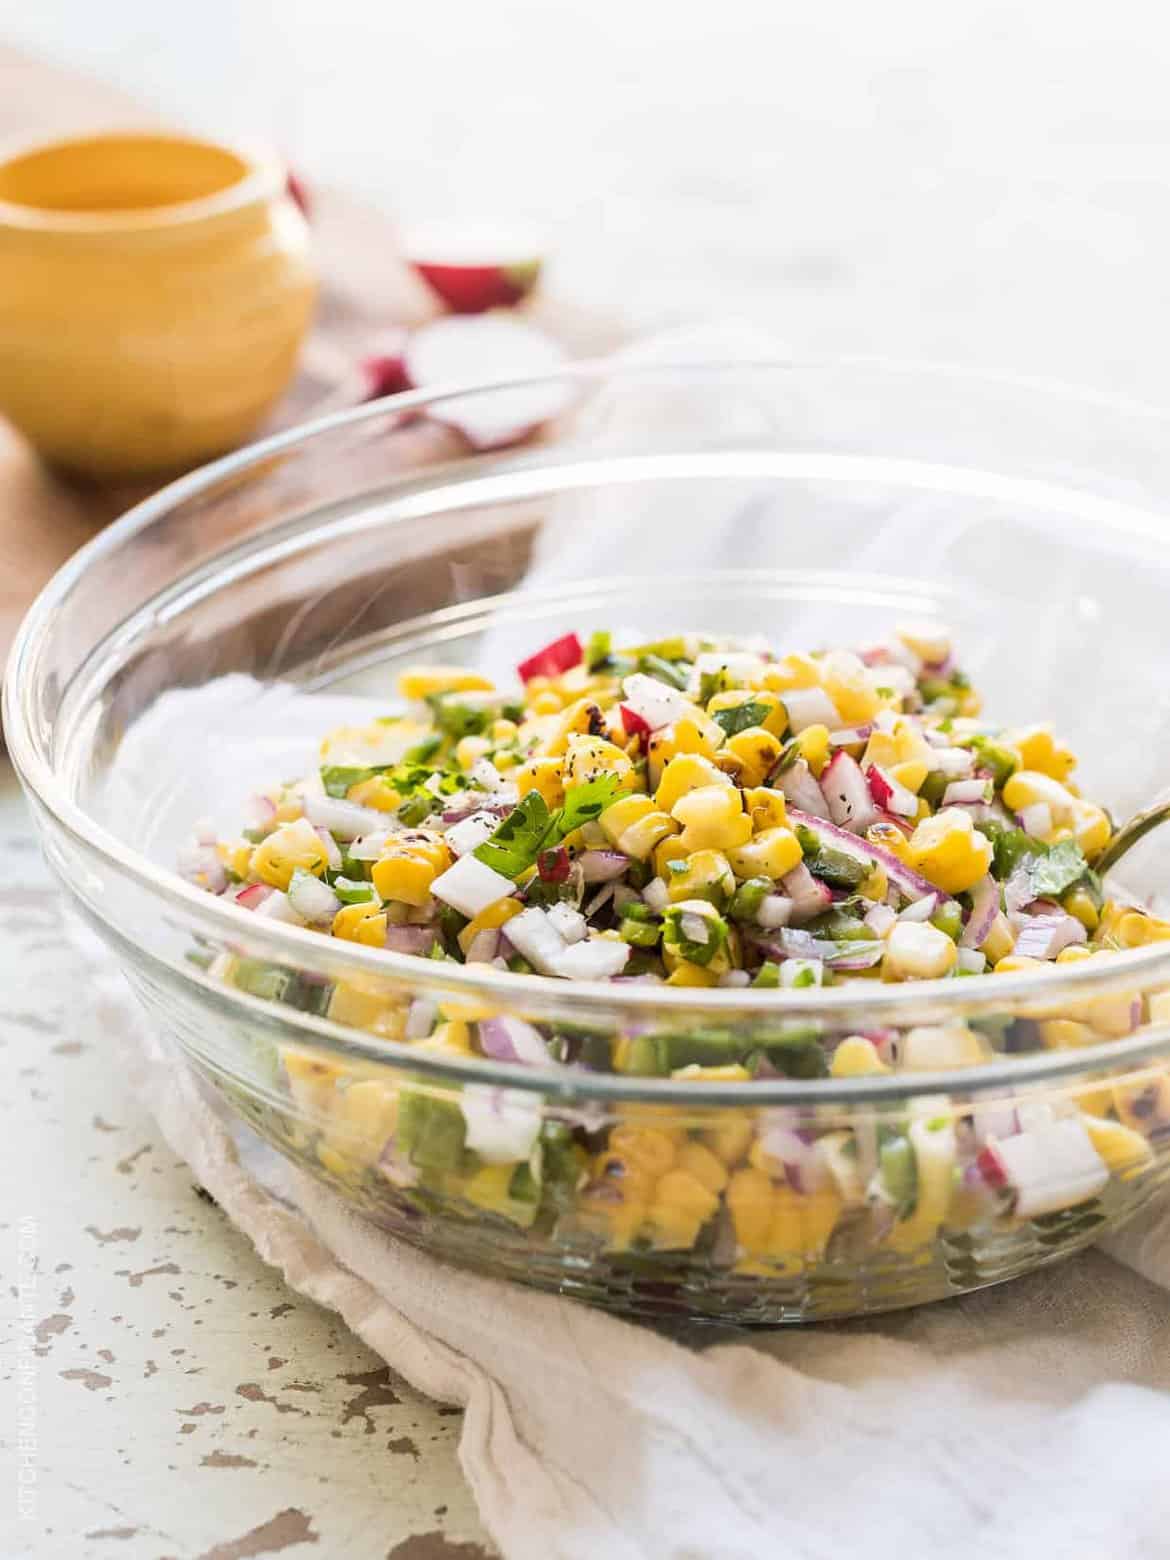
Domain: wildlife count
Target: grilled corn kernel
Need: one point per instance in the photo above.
(684, 973)
(813, 743)
(856, 1057)
(417, 682)
(767, 808)
(729, 1139)
(366, 1007)
(1125, 1151)
(698, 1160)
(686, 772)
(588, 758)
(543, 775)
(469, 751)
(848, 682)
(582, 717)
(793, 671)
(773, 853)
(890, 837)
(1135, 930)
(635, 826)
(708, 876)
(712, 818)
(915, 950)
(949, 851)
(1038, 750)
(364, 923)
(686, 735)
(681, 1205)
(757, 751)
(293, 845)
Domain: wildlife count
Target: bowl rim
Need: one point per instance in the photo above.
(932, 1000)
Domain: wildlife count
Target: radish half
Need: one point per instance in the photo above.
(472, 270)
(462, 349)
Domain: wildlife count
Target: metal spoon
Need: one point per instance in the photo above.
(1131, 832)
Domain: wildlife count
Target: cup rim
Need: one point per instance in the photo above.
(927, 1002)
(262, 177)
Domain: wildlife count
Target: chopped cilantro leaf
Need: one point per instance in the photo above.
(741, 716)
(530, 828)
(338, 778)
(1058, 869)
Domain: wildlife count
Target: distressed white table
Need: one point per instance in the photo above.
(187, 1405)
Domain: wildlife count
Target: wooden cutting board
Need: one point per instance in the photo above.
(365, 287)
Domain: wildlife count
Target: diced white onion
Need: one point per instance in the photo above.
(570, 923)
(811, 707)
(278, 908)
(470, 886)
(534, 937)
(774, 911)
(599, 958)
(1037, 819)
(313, 900)
(656, 895)
(502, 1124)
(470, 832)
(792, 971)
(1051, 1168)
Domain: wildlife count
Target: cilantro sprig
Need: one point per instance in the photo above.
(741, 716)
(531, 828)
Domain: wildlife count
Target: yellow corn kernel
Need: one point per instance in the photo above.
(581, 717)
(949, 851)
(708, 876)
(1125, 1151)
(686, 772)
(588, 758)
(1076, 954)
(749, 1200)
(1063, 1034)
(450, 1039)
(469, 751)
(686, 974)
(876, 886)
(375, 793)
(490, 1188)
(635, 826)
(1090, 825)
(712, 818)
(729, 1139)
(1017, 963)
(488, 920)
(847, 681)
(365, 1006)
(727, 1072)
(364, 923)
(756, 751)
(776, 720)
(911, 773)
(236, 856)
(1142, 1100)
(417, 682)
(1135, 929)
(405, 876)
(767, 808)
(293, 845)
(312, 1081)
(649, 1149)
(773, 853)
(856, 1057)
(999, 942)
(680, 1207)
(542, 775)
(1038, 750)
(546, 703)
(794, 671)
(881, 749)
(364, 1116)
(1079, 902)
(891, 838)
(502, 731)
(813, 743)
(666, 851)
(706, 1167)
(684, 736)
(801, 1226)
(615, 1199)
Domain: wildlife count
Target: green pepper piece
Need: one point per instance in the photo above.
(259, 978)
(949, 919)
(933, 788)
(899, 1172)
(430, 1131)
(674, 674)
(748, 898)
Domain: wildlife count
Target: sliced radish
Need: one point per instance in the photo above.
(471, 886)
(811, 707)
(462, 350)
(1048, 1168)
(801, 789)
(463, 837)
(560, 656)
(254, 895)
(654, 702)
(383, 369)
(845, 790)
(634, 725)
(890, 794)
(472, 269)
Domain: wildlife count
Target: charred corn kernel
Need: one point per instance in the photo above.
(649, 1149)
(876, 886)
(543, 775)
(365, 923)
(949, 851)
(856, 1057)
(236, 855)
(588, 758)
(686, 735)
(776, 720)
(1142, 1101)
(489, 920)
(708, 876)
(928, 642)
(469, 751)
(767, 808)
(915, 950)
(891, 838)
(757, 751)
(848, 682)
(749, 1200)
(546, 703)
(698, 1160)
(683, 973)
(729, 1139)
(581, 718)
(1135, 930)
(417, 682)
(712, 818)
(686, 772)
(1079, 902)
(1125, 1151)
(911, 773)
(293, 845)
(1038, 750)
(773, 853)
(375, 793)
(813, 743)
(635, 826)
(615, 1200)
(999, 941)
(1063, 1034)
(793, 671)
(680, 1207)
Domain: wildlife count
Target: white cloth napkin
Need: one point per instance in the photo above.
(1029, 1420)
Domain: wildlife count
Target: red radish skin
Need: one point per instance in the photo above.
(634, 724)
(559, 656)
(298, 193)
(384, 373)
(462, 349)
(991, 1168)
(473, 289)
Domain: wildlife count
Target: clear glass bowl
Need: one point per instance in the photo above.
(201, 646)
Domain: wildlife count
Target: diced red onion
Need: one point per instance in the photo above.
(259, 811)
(344, 819)
(420, 1018)
(911, 884)
(602, 866)
(806, 1171)
(775, 910)
(880, 919)
(1043, 936)
(278, 908)
(857, 955)
(656, 895)
(809, 897)
(472, 802)
(921, 909)
(418, 940)
(508, 1039)
(200, 864)
(253, 895)
(1018, 891)
(483, 947)
(984, 909)
(966, 791)
(845, 790)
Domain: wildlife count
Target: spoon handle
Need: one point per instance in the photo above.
(1130, 833)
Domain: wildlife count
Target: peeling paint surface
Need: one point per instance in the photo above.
(190, 1407)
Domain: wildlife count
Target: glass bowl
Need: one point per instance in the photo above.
(202, 645)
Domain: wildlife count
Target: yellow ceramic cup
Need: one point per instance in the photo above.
(154, 292)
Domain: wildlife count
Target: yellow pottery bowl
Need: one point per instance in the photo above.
(154, 292)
